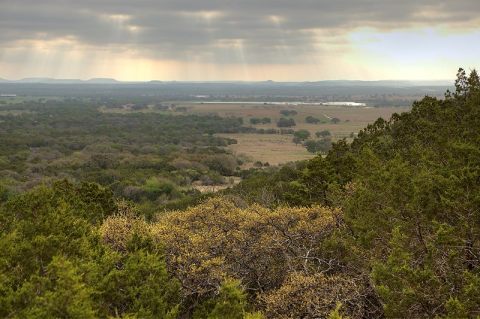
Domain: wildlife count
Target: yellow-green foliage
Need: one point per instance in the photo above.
(335, 314)
(315, 296)
(117, 231)
(215, 240)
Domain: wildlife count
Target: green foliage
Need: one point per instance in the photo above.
(324, 133)
(283, 122)
(4, 193)
(138, 284)
(302, 134)
(397, 234)
(402, 286)
(269, 187)
(60, 293)
(230, 302)
(255, 120)
(74, 139)
(53, 264)
(455, 309)
(288, 112)
(335, 314)
(409, 189)
(319, 146)
(312, 120)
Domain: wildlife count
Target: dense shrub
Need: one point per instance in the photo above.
(283, 122)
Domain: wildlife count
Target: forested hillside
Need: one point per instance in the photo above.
(385, 227)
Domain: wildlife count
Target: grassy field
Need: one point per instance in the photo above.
(352, 119)
(279, 149)
(267, 148)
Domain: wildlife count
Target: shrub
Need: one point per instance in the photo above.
(324, 133)
(312, 120)
(283, 122)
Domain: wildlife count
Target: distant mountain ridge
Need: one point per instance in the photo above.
(41, 80)
(323, 83)
(390, 83)
(103, 81)
(47, 81)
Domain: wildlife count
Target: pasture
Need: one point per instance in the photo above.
(352, 119)
(278, 149)
(266, 148)
(273, 148)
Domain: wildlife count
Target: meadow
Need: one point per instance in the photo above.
(279, 149)
(275, 149)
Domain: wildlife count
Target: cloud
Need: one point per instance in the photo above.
(221, 31)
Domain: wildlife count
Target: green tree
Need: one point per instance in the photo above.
(302, 134)
(312, 120)
(138, 284)
(335, 120)
(60, 293)
(231, 302)
(324, 133)
(283, 122)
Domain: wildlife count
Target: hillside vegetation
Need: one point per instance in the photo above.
(151, 159)
(387, 226)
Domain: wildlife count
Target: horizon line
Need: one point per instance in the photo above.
(40, 79)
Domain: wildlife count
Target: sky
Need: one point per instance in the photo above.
(248, 40)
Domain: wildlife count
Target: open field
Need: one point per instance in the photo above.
(352, 119)
(279, 149)
(271, 148)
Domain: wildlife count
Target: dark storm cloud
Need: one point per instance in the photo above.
(220, 30)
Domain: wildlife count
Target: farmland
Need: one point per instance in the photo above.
(273, 149)
(276, 149)
(352, 118)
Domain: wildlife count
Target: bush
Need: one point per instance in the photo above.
(335, 120)
(320, 292)
(215, 240)
(322, 146)
(286, 131)
(288, 112)
(283, 122)
(302, 134)
(324, 133)
(264, 120)
(312, 120)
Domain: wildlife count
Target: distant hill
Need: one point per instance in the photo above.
(383, 83)
(42, 80)
(325, 83)
(48, 81)
(103, 81)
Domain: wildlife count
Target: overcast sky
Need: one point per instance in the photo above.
(238, 39)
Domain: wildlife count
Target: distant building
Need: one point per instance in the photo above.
(344, 104)
(8, 95)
